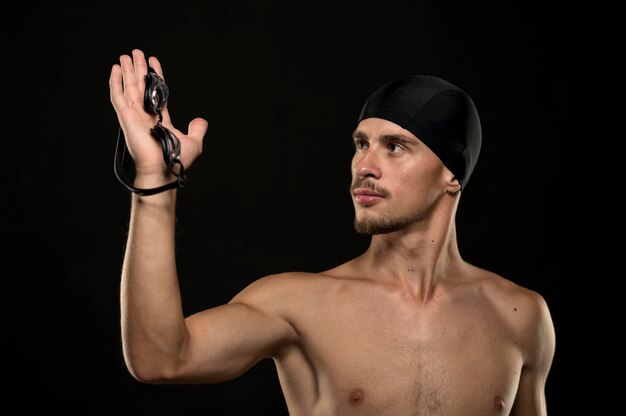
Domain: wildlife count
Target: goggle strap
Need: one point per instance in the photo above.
(122, 156)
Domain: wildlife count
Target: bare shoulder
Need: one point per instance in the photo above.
(285, 292)
(506, 294)
(525, 311)
(280, 283)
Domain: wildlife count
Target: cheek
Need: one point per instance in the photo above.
(419, 183)
(425, 186)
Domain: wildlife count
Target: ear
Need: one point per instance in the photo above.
(453, 186)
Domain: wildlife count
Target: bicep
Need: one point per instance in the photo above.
(225, 341)
(539, 345)
(530, 399)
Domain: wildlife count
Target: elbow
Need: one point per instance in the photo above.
(148, 371)
(152, 362)
(143, 373)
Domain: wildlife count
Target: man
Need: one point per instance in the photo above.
(406, 328)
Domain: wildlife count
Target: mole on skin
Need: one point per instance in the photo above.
(356, 396)
(498, 402)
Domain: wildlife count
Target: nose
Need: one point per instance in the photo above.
(366, 164)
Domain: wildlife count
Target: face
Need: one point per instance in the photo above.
(396, 179)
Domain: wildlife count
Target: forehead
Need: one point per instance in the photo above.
(378, 127)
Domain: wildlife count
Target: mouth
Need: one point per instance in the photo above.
(366, 197)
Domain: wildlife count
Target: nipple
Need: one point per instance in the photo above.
(357, 396)
(498, 402)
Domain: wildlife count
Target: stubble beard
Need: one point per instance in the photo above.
(385, 224)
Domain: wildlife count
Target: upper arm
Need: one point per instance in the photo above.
(225, 341)
(538, 343)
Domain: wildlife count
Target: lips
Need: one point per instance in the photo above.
(367, 197)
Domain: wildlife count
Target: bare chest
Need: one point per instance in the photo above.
(376, 358)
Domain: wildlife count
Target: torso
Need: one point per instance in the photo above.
(368, 350)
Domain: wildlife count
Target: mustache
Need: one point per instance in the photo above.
(363, 183)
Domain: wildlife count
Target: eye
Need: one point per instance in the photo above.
(395, 148)
(360, 144)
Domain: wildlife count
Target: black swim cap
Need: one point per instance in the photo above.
(438, 113)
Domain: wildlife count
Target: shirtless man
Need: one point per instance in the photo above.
(407, 328)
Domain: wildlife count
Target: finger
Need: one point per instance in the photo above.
(116, 89)
(131, 92)
(156, 65)
(141, 69)
(197, 130)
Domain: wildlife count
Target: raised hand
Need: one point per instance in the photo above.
(127, 85)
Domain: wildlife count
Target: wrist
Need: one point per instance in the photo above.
(146, 178)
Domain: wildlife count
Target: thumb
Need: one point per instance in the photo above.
(197, 129)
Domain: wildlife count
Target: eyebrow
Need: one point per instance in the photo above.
(387, 138)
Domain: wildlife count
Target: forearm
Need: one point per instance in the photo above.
(152, 321)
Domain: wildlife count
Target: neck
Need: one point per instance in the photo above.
(415, 259)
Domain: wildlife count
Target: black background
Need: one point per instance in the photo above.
(281, 84)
